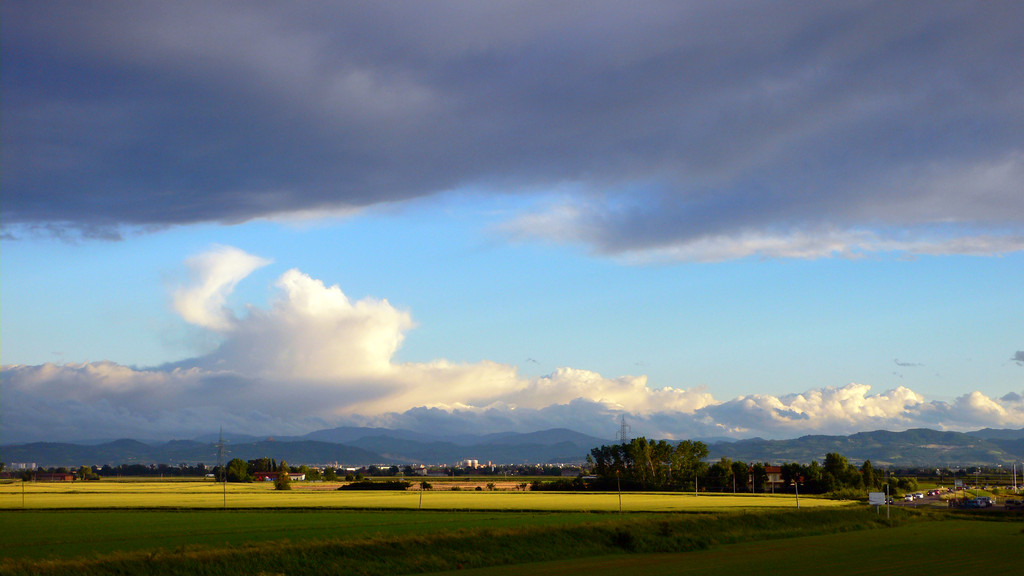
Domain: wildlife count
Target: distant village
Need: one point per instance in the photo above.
(332, 471)
(720, 476)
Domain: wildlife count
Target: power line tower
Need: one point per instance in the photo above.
(624, 429)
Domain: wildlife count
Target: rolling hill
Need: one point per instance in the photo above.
(364, 446)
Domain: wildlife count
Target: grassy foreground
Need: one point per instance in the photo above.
(148, 527)
(70, 534)
(392, 544)
(936, 548)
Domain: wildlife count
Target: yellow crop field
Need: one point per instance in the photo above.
(161, 494)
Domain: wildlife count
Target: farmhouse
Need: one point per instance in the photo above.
(54, 477)
(773, 478)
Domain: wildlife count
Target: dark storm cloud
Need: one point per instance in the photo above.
(672, 121)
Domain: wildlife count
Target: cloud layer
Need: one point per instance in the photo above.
(682, 131)
(314, 358)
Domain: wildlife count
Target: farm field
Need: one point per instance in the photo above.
(155, 527)
(73, 533)
(937, 548)
(157, 494)
(162, 527)
(370, 542)
(387, 542)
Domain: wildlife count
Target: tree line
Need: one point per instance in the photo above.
(107, 471)
(238, 470)
(643, 464)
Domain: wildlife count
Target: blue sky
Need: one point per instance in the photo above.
(510, 217)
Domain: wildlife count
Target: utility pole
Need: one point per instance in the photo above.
(886, 495)
(223, 468)
(618, 485)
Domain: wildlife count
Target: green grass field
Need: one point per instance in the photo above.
(937, 548)
(73, 533)
(149, 527)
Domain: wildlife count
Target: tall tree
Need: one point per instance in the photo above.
(867, 472)
(688, 460)
(760, 475)
(238, 471)
(648, 464)
(836, 464)
(740, 474)
(720, 474)
(85, 473)
(264, 464)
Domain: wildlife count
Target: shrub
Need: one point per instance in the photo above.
(847, 494)
(562, 484)
(624, 538)
(371, 485)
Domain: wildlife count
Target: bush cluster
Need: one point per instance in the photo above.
(371, 485)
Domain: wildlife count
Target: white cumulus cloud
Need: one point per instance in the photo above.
(846, 409)
(214, 276)
(313, 332)
(316, 358)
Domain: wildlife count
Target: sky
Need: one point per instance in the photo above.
(715, 219)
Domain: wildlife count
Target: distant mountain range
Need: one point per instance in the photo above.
(917, 447)
(352, 446)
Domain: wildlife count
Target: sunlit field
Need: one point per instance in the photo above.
(161, 527)
(159, 494)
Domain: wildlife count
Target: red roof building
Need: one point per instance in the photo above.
(773, 478)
